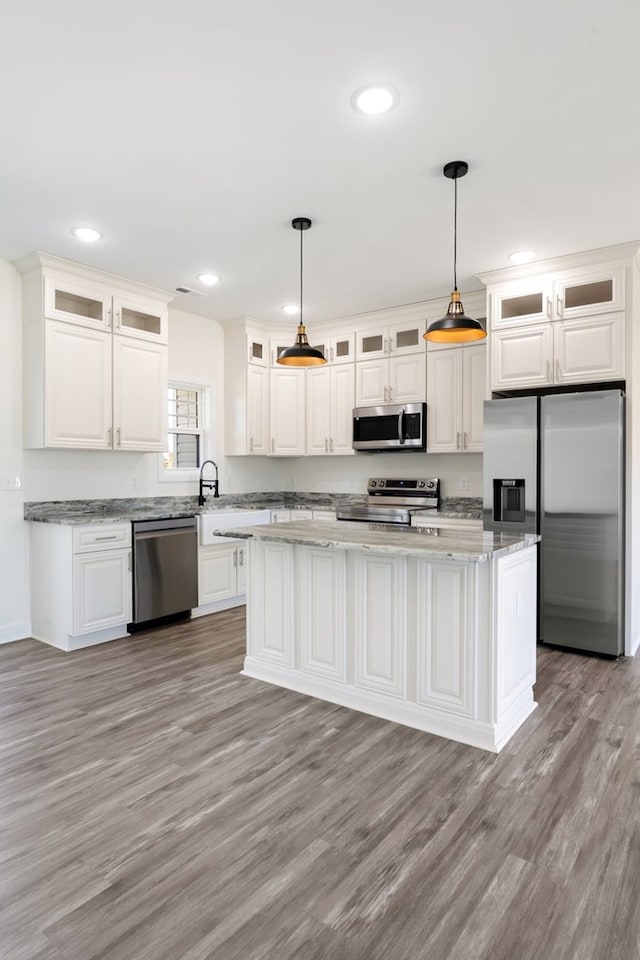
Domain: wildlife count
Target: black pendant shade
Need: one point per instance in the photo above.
(455, 326)
(301, 354)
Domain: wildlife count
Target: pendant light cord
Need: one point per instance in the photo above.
(455, 233)
(300, 320)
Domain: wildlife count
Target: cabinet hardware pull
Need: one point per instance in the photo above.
(390, 393)
(109, 438)
(326, 445)
(549, 308)
(331, 353)
(250, 444)
(272, 445)
(118, 443)
(465, 441)
(129, 560)
(559, 307)
(558, 372)
(457, 441)
(331, 445)
(109, 318)
(112, 537)
(241, 556)
(384, 389)
(235, 559)
(548, 369)
(386, 345)
(118, 320)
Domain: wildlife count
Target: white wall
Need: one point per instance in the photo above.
(14, 571)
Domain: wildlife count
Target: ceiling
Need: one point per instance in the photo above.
(191, 133)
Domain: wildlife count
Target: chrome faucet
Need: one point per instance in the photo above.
(212, 484)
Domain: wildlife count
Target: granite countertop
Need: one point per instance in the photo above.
(122, 510)
(388, 539)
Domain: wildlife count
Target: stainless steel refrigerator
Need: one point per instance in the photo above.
(554, 465)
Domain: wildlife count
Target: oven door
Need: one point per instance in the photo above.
(390, 427)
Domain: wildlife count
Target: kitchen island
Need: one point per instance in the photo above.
(432, 629)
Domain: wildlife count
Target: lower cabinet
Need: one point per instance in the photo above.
(270, 612)
(379, 623)
(221, 573)
(80, 583)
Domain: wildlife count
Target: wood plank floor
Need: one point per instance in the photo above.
(155, 805)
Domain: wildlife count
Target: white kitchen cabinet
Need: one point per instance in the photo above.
(324, 515)
(337, 348)
(568, 351)
(86, 386)
(80, 583)
(246, 392)
(270, 616)
(456, 391)
(139, 394)
(565, 295)
(103, 302)
(378, 628)
(287, 388)
(321, 573)
(330, 399)
(257, 349)
(445, 671)
(391, 340)
(221, 572)
(391, 380)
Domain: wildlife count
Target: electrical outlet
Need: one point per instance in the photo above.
(463, 482)
(11, 481)
(134, 483)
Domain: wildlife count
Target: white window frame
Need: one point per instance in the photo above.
(186, 475)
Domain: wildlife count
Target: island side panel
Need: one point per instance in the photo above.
(514, 627)
(270, 603)
(321, 611)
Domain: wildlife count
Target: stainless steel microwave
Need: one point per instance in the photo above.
(397, 426)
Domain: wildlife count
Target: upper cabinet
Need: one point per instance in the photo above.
(456, 391)
(391, 340)
(564, 327)
(94, 357)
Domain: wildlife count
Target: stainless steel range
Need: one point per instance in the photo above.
(393, 501)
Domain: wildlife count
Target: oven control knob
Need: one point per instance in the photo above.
(421, 484)
(374, 483)
(381, 483)
(431, 484)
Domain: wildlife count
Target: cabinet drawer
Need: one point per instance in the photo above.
(106, 536)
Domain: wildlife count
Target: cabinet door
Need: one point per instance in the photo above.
(101, 590)
(474, 393)
(343, 380)
(372, 386)
(372, 345)
(287, 411)
(444, 400)
(139, 394)
(140, 317)
(77, 399)
(407, 378)
(257, 350)
(217, 573)
(258, 409)
(589, 350)
(445, 641)
(521, 302)
(522, 358)
(589, 292)
(407, 338)
(73, 301)
(378, 588)
(318, 410)
(280, 516)
(342, 349)
(270, 614)
(321, 581)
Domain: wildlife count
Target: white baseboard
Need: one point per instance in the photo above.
(207, 608)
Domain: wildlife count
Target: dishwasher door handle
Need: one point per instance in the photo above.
(151, 534)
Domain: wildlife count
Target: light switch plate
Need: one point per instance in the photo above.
(11, 481)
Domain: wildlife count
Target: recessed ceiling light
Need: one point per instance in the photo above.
(291, 308)
(88, 234)
(522, 256)
(209, 279)
(374, 98)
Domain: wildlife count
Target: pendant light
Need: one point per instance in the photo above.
(455, 326)
(301, 354)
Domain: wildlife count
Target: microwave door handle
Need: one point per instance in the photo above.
(401, 427)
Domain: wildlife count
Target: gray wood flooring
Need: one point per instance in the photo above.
(155, 805)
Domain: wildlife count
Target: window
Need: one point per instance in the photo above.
(186, 422)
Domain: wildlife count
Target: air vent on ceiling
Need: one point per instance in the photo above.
(195, 293)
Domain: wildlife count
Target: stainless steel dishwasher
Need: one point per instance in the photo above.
(165, 568)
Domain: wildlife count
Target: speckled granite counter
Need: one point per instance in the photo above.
(386, 538)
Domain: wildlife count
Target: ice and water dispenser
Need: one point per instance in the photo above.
(508, 501)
